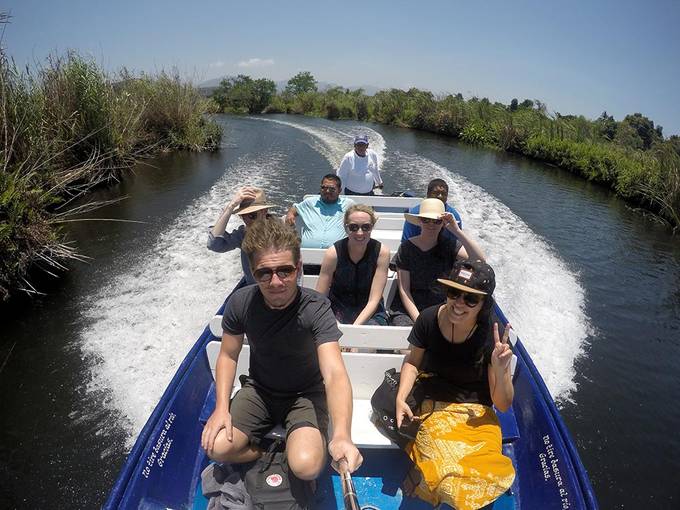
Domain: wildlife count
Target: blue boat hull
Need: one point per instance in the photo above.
(163, 469)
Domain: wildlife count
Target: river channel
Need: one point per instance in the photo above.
(591, 286)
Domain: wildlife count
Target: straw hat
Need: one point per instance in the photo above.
(431, 208)
(258, 203)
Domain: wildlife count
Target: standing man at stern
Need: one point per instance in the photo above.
(359, 169)
(296, 374)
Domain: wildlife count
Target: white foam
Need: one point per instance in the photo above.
(144, 321)
(333, 143)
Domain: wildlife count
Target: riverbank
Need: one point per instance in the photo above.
(645, 173)
(67, 127)
(631, 157)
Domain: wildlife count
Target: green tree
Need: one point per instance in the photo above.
(514, 104)
(644, 127)
(300, 83)
(605, 126)
(243, 94)
(263, 92)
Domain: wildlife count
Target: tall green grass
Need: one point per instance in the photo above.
(66, 127)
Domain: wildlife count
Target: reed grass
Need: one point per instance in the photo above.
(66, 127)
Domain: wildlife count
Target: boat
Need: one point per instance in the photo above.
(163, 469)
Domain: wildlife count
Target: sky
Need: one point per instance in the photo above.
(579, 57)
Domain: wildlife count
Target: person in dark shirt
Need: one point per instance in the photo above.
(422, 259)
(461, 362)
(354, 271)
(296, 374)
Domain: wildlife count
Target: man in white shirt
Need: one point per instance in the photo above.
(359, 169)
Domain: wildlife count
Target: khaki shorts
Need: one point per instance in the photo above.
(255, 412)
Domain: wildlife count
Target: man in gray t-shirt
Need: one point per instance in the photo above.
(296, 374)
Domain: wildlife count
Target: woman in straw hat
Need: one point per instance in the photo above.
(354, 271)
(425, 257)
(460, 365)
(250, 204)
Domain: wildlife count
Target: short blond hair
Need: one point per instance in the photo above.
(361, 208)
(270, 234)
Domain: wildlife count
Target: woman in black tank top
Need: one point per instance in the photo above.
(354, 271)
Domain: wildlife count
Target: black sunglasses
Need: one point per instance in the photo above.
(328, 188)
(265, 274)
(430, 220)
(354, 227)
(252, 215)
(469, 299)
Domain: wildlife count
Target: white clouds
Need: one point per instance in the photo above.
(218, 63)
(256, 62)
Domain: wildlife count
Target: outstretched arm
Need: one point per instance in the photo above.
(377, 286)
(339, 396)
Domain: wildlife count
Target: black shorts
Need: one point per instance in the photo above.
(255, 412)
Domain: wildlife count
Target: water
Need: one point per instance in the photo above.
(591, 287)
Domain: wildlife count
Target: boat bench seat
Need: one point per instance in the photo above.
(366, 372)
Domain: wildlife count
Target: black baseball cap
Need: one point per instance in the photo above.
(473, 276)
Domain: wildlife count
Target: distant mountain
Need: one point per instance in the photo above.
(208, 86)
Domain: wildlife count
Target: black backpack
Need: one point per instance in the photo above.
(272, 486)
(383, 403)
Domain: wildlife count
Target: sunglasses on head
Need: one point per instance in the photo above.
(354, 227)
(430, 220)
(328, 188)
(265, 274)
(469, 299)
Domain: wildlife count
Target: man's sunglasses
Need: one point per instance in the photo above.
(354, 227)
(430, 220)
(328, 188)
(469, 299)
(265, 274)
(252, 215)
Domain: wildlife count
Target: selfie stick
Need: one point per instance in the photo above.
(349, 493)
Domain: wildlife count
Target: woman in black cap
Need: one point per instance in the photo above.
(460, 365)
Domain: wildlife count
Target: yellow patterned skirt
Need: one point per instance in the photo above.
(457, 452)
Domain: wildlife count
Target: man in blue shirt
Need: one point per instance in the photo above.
(437, 188)
(321, 217)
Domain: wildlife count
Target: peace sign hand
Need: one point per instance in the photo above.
(502, 353)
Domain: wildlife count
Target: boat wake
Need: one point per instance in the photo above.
(333, 143)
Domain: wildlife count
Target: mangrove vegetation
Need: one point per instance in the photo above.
(67, 126)
(630, 156)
